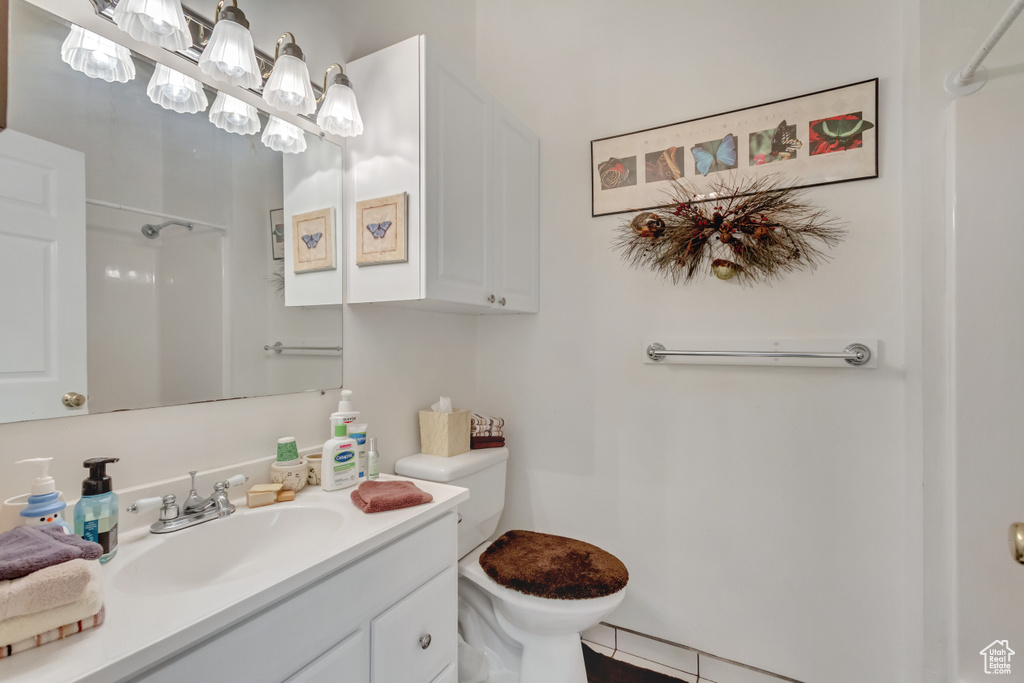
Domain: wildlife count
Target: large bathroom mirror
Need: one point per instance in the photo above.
(183, 290)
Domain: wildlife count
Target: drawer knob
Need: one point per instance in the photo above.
(425, 641)
(501, 301)
(490, 299)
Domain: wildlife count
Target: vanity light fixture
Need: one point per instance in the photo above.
(157, 22)
(339, 114)
(176, 91)
(96, 56)
(230, 55)
(234, 115)
(288, 87)
(282, 136)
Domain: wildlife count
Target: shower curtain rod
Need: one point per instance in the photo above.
(970, 79)
(166, 216)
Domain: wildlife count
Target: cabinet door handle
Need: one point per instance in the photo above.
(501, 301)
(490, 299)
(425, 641)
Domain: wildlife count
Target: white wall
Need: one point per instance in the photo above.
(762, 512)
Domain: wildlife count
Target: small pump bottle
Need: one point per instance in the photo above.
(96, 512)
(44, 505)
(372, 461)
(345, 409)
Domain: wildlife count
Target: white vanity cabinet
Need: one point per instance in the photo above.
(470, 171)
(390, 617)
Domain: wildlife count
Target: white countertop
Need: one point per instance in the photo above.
(142, 629)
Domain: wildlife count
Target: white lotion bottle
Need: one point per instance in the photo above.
(357, 431)
(339, 465)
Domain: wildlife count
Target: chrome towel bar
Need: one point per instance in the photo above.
(277, 347)
(854, 354)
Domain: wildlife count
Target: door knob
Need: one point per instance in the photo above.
(425, 641)
(1017, 542)
(73, 399)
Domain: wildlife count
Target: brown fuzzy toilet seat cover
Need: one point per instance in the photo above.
(549, 566)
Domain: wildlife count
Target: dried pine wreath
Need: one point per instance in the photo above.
(755, 229)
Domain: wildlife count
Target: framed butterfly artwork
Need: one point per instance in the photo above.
(381, 231)
(825, 137)
(313, 245)
(277, 234)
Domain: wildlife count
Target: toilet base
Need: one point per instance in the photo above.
(547, 658)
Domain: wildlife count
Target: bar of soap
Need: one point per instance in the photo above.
(282, 496)
(263, 488)
(255, 499)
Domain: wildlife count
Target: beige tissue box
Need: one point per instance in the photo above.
(444, 434)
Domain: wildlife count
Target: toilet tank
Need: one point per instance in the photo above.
(482, 472)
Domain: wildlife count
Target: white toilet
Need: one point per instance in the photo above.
(510, 636)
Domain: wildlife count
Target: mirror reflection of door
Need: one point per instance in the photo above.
(42, 277)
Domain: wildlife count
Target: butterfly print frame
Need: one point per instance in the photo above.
(313, 243)
(382, 231)
(277, 234)
(825, 137)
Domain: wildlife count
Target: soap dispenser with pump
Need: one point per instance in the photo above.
(44, 505)
(96, 512)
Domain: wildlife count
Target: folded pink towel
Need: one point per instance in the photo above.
(47, 588)
(59, 633)
(378, 496)
(26, 549)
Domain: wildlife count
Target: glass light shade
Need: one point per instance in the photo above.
(176, 91)
(157, 22)
(234, 115)
(230, 56)
(282, 136)
(288, 87)
(339, 114)
(97, 57)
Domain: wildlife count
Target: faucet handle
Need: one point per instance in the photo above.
(167, 504)
(236, 480)
(144, 505)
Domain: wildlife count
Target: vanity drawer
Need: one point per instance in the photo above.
(416, 638)
(347, 661)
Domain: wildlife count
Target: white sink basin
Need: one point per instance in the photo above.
(226, 550)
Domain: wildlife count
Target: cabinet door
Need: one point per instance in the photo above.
(348, 661)
(515, 218)
(414, 640)
(457, 181)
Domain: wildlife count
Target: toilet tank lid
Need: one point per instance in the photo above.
(439, 469)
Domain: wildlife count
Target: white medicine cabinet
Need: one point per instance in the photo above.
(469, 170)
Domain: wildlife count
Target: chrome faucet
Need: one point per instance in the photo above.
(196, 510)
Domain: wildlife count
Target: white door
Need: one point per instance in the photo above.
(458, 186)
(42, 277)
(516, 213)
(988, 372)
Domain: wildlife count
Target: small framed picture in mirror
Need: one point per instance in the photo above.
(313, 241)
(277, 234)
